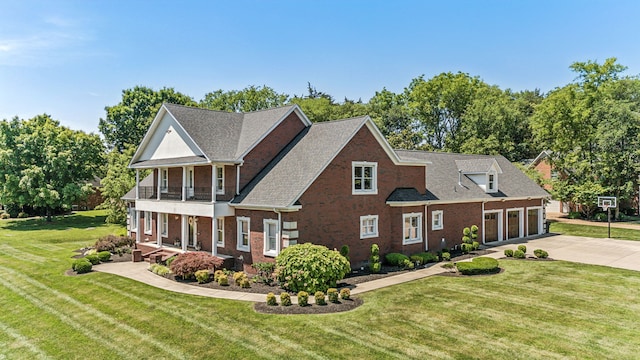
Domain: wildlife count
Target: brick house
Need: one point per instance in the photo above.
(543, 166)
(247, 185)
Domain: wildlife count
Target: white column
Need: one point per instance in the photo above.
(138, 228)
(184, 183)
(214, 185)
(137, 184)
(159, 182)
(185, 232)
(159, 229)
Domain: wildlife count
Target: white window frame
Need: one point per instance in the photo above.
(365, 234)
(417, 239)
(220, 232)
(133, 220)
(439, 215)
(267, 251)
(148, 229)
(490, 188)
(164, 225)
(220, 180)
(374, 177)
(240, 246)
(164, 180)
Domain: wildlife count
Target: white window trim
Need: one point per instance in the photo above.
(521, 229)
(417, 240)
(164, 180)
(495, 182)
(266, 223)
(374, 179)
(133, 220)
(220, 230)
(164, 227)
(434, 213)
(372, 235)
(148, 228)
(500, 213)
(239, 245)
(220, 190)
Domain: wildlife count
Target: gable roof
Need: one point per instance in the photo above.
(477, 166)
(221, 136)
(446, 184)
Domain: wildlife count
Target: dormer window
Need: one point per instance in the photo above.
(492, 182)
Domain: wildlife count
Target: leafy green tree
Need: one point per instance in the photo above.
(117, 182)
(320, 106)
(393, 117)
(251, 98)
(128, 121)
(46, 166)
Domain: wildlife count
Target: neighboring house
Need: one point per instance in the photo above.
(248, 185)
(92, 200)
(543, 166)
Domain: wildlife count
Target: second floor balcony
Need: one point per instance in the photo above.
(203, 194)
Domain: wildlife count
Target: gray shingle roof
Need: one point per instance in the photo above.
(225, 136)
(475, 165)
(443, 176)
(299, 164)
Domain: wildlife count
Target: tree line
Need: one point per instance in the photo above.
(589, 127)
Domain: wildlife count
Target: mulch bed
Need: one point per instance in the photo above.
(342, 305)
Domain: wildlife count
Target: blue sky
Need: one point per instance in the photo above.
(70, 59)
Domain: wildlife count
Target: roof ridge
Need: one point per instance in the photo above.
(269, 109)
(202, 109)
(340, 120)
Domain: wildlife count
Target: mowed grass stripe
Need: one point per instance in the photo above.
(21, 255)
(93, 312)
(21, 341)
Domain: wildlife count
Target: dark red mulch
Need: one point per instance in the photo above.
(343, 305)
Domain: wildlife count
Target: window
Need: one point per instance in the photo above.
(436, 220)
(243, 234)
(220, 238)
(220, 179)
(368, 226)
(271, 237)
(164, 225)
(147, 222)
(412, 228)
(492, 182)
(133, 219)
(164, 180)
(364, 176)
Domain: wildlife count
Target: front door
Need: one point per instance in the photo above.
(532, 222)
(513, 217)
(190, 183)
(490, 227)
(193, 231)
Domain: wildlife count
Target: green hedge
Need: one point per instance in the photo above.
(479, 265)
(396, 259)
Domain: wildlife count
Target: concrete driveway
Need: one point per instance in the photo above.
(624, 254)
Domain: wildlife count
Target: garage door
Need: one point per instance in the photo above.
(532, 222)
(514, 224)
(491, 227)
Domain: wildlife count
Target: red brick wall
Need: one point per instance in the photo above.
(330, 214)
(455, 217)
(204, 233)
(544, 168)
(146, 237)
(175, 178)
(268, 148)
(175, 228)
(229, 183)
(202, 177)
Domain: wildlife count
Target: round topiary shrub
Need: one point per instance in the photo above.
(319, 297)
(245, 283)
(522, 248)
(93, 259)
(479, 265)
(271, 299)
(203, 276)
(345, 294)
(540, 254)
(519, 254)
(303, 298)
(396, 259)
(508, 252)
(223, 280)
(285, 299)
(475, 245)
(81, 266)
(332, 294)
(310, 267)
(104, 256)
(446, 256)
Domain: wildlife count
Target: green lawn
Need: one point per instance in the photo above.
(594, 231)
(532, 310)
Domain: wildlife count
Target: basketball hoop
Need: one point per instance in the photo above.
(606, 207)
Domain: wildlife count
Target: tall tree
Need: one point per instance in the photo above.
(393, 117)
(118, 181)
(128, 121)
(251, 98)
(46, 166)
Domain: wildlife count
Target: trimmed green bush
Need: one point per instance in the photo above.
(81, 266)
(170, 260)
(508, 252)
(271, 299)
(522, 248)
(238, 276)
(203, 276)
(519, 254)
(93, 259)
(332, 294)
(600, 217)
(466, 232)
(104, 256)
(285, 299)
(448, 265)
(407, 264)
(344, 251)
(466, 248)
(574, 215)
(310, 267)
(223, 280)
(374, 259)
(303, 298)
(22, 215)
(446, 256)
(375, 267)
(540, 254)
(479, 265)
(475, 245)
(159, 269)
(396, 259)
(4, 216)
(345, 294)
(425, 257)
(319, 298)
(245, 283)
(216, 275)
(185, 265)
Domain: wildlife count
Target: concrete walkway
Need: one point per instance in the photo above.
(622, 254)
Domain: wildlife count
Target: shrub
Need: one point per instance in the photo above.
(479, 265)
(466, 240)
(407, 264)
(112, 242)
(396, 259)
(203, 276)
(303, 298)
(319, 297)
(600, 217)
(93, 259)
(374, 259)
(425, 257)
(375, 267)
(474, 230)
(448, 265)
(170, 260)
(446, 256)
(271, 299)
(22, 215)
(541, 254)
(466, 248)
(519, 254)
(466, 232)
(159, 269)
(285, 299)
(104, 256)
(574, 215)
(245, 283)
(332, 294)
(186, 264)
(238, 276)
(223, 280)
(310, 267)
(265, 272)
(344, 251)
(522, 248)
(345, 294)
(81, 266)
(4, 216)
(475, 245)
(508, 252)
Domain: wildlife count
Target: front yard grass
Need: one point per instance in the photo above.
(594, 231)
(535, 309)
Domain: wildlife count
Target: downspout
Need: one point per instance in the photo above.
(483, 222)
(279, 243)
(238, 178)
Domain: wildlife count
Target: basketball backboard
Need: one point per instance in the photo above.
(606, 202)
